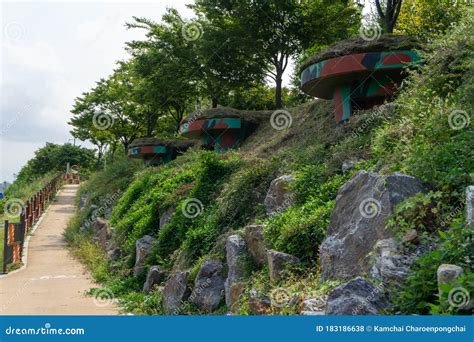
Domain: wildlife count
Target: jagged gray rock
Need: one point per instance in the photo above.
(256, 243)
(208, 286)
(279, 195)
(143, 248)
(175, 293)
(165, 217)
(278, 262)
(358, 220)
(357, 297)
(236, 255)
(155, 276)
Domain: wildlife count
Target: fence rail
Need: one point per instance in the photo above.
(15, 233)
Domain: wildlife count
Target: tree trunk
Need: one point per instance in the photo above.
(214, 102)
(278, 82)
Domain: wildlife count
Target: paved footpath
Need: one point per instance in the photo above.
(53, 281)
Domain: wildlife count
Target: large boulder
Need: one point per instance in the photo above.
(208, 286)
(256, 243)
(358, 221)
(166, 216)
(470, 206)
(155, 276)
(278, 263)
(102, 231)
(175, 293)
(143, 248)
(357, 297)
(279, 195)
(236, 256)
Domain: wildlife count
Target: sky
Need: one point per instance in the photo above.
(51, 52)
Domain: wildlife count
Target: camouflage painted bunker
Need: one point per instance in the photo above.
(221, 129)
(358, 74)
(155, 151)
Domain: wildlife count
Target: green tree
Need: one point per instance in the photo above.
(270, 32)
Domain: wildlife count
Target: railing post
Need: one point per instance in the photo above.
(5, 242)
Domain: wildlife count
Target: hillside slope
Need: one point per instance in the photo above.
(194, 210)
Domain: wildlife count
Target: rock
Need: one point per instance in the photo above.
(348, 165)
(411, 237)
(279, 196)
(357, 297)
(278, 262)
(114, 254)
(256, 243)
(448, 273)
(358, 220)
(315, 304)
(175, 293)
(155, 276)
(390, 265)
(236, 255)
(83, 201)
(470, 206)
(102, 231)
(143, 248)
(259, 304)
(166, 216)
(209, 286)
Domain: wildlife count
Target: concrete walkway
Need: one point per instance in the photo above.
(53, 281)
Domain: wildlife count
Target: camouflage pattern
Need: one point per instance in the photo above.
(153, 154)
(352, 79)
(219, 134)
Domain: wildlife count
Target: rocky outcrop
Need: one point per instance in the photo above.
(279, 195)
(358, 221)
(470, 206)
(256, 243)
(357, 297)
(209, 286)
(278, 263)
(236, 255)
(175, 293)
(166, 216)
(102, 231)
(155, 276)
(143, 248)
